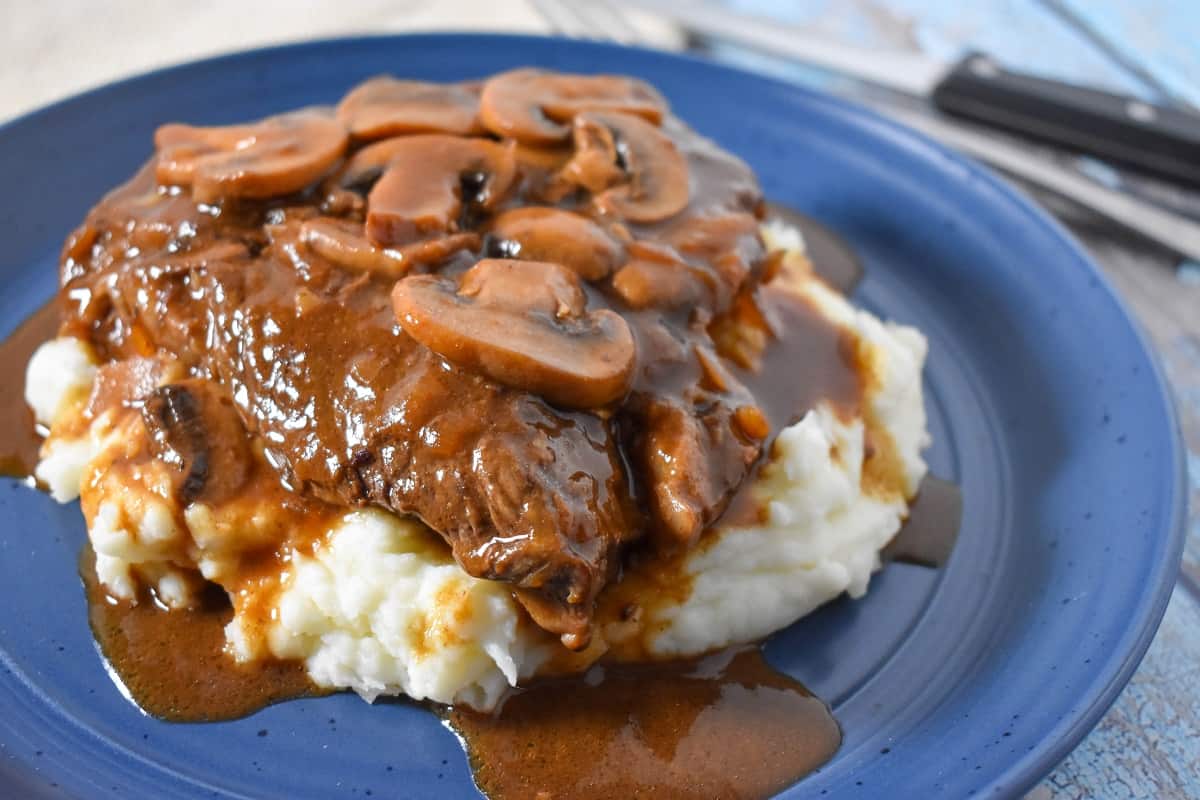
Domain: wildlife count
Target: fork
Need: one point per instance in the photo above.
(588, 20)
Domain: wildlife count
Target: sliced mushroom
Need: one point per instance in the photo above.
(597, 164)
(552, 234)
(545, 159)
(385, 106)
(363, 168)
(344, 244)
(540, 167)
(535, 106)
(195, 429)
(657, 277)
(276, 156)
(523, 324)
(651, 284)
(428, 181)
(649, 173)
(729, 242)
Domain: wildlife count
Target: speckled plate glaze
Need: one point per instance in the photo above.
(1045, 404)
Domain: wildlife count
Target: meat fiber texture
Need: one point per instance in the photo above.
(383, 609)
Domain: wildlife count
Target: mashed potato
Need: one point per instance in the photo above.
(381, 608)
(385, 608)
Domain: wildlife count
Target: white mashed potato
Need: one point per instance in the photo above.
(381, 608)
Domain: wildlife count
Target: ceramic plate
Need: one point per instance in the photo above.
(1045, 403)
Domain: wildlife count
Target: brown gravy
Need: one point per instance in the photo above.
(929, 533)
(832, 258)
(172, 664)
(19, 437)
(725, 726)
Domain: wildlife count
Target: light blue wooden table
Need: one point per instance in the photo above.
(1148, 746)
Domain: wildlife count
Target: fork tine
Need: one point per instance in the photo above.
(596, 20)
(617, 26)
(563, 18)
(609, 20)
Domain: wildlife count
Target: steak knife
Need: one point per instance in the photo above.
(1163, 141)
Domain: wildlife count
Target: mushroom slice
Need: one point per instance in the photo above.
(551, 234)
(276, 156)
(545, 159)
(385, 106)
(195, 430)
(523, 324)
(344, 244)
(365, 166)
(657, 277)
(596, 164)
(429, 179)
(534, 106)
(646, 284)
(650, 173)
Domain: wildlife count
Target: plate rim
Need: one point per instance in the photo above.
(1113, 674)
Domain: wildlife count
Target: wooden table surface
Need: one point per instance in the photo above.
(1148, 746)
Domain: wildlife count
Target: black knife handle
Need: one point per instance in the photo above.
(1157, 139)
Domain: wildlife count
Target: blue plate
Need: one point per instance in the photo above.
(1045, 403)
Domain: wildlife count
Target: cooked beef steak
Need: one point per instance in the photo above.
(508, 335)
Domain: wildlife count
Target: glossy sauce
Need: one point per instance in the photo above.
(726, 726)
(19, 437)
(833, 259)
(172, 664)
(928, 535)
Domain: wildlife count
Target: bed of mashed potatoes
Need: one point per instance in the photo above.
(381, 607)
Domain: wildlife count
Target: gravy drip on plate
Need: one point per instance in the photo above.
(534, 312)
(928, 535)
(581, 272)
(173, 663)
(19, 436)
(726, 726)
(831, 256)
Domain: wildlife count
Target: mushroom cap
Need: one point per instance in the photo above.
(421, 190)
(542, 233)
(276, 156)
(344, 244)
(549, 158)
(656, 183)
(596, 163)
(646, 284)
(385, 106)
(523, 324)
(534, 106)
(195, 430)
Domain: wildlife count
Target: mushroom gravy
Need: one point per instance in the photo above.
(19, 436)
(173, 664)
(535, 312)
(726, 726)
(580, 271)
